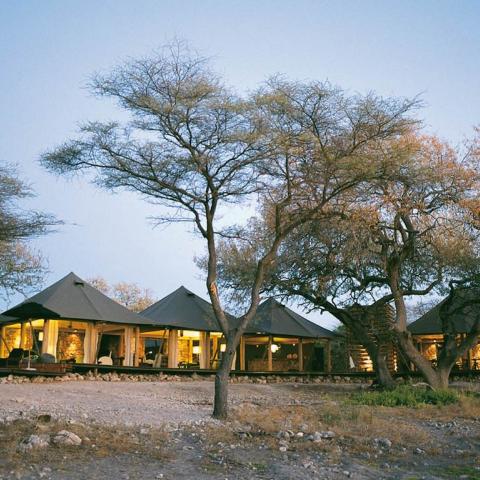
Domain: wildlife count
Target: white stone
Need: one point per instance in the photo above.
(64, 437)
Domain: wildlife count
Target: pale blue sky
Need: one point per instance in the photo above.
(49, 48)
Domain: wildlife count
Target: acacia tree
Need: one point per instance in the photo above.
(21, 269)
(315, 266)
(420, 240)
(130, 295)
(194, 146)
(394, 237)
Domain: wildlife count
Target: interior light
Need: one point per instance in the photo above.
(223, 347)
(274, 347)
(196, 349)
(40, 336)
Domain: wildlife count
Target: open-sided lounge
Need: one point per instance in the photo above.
(72, 322)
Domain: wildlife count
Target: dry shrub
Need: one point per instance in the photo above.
(355, 426)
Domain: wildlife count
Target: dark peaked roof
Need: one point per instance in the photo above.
(5, 319)
(274, 318)
(72, 298)
(430, 322)
(182, 309)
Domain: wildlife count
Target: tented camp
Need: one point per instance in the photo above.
(75, 323)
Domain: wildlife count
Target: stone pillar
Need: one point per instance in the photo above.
(137, 347)
(300, 354)
(172, 348)
(242, 353)
(269, 354)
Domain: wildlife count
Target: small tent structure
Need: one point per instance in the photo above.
(280, 339)
(427, 331)
(189, 325)
(193, 335)
(69, 318)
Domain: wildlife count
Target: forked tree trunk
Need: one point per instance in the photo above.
(436, 378)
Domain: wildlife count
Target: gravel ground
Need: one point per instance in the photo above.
(149, 403)
(183, 442)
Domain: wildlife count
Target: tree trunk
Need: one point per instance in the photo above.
(220, 405)
(384, 377)
(437, 379)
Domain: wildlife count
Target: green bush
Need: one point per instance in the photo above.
(406, 396)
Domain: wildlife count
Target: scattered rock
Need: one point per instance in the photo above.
(33, 442)
(383, 442)
(64, 437)
(44, 418)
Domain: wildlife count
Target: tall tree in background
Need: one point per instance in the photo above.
(21, 269)
(428, 239)
(196, 147)
(406, 235)
(129, 295)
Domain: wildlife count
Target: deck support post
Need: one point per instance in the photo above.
(23, 335)
(136, 361)
(50, 337)
(242, 353)
(269, 354)
(328, 350)
(90, 344)
(172, 348)
(3, 342)
(204, 350)
(128, 346)
(300, 354)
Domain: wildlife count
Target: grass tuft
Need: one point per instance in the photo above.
(406, 396)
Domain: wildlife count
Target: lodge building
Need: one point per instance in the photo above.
(71, 321)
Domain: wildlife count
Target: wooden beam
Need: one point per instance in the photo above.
(23, 335)
(269, 354)
(3, 343)
(204, 349)
(127, 336)
(172, 348)
(136, 361)
(328, 350)
(300, 354)
(242, 353)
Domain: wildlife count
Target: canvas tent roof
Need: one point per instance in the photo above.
(430, 322)
(274, 318)
(5, 319)
(72, 298)
(184, 310)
